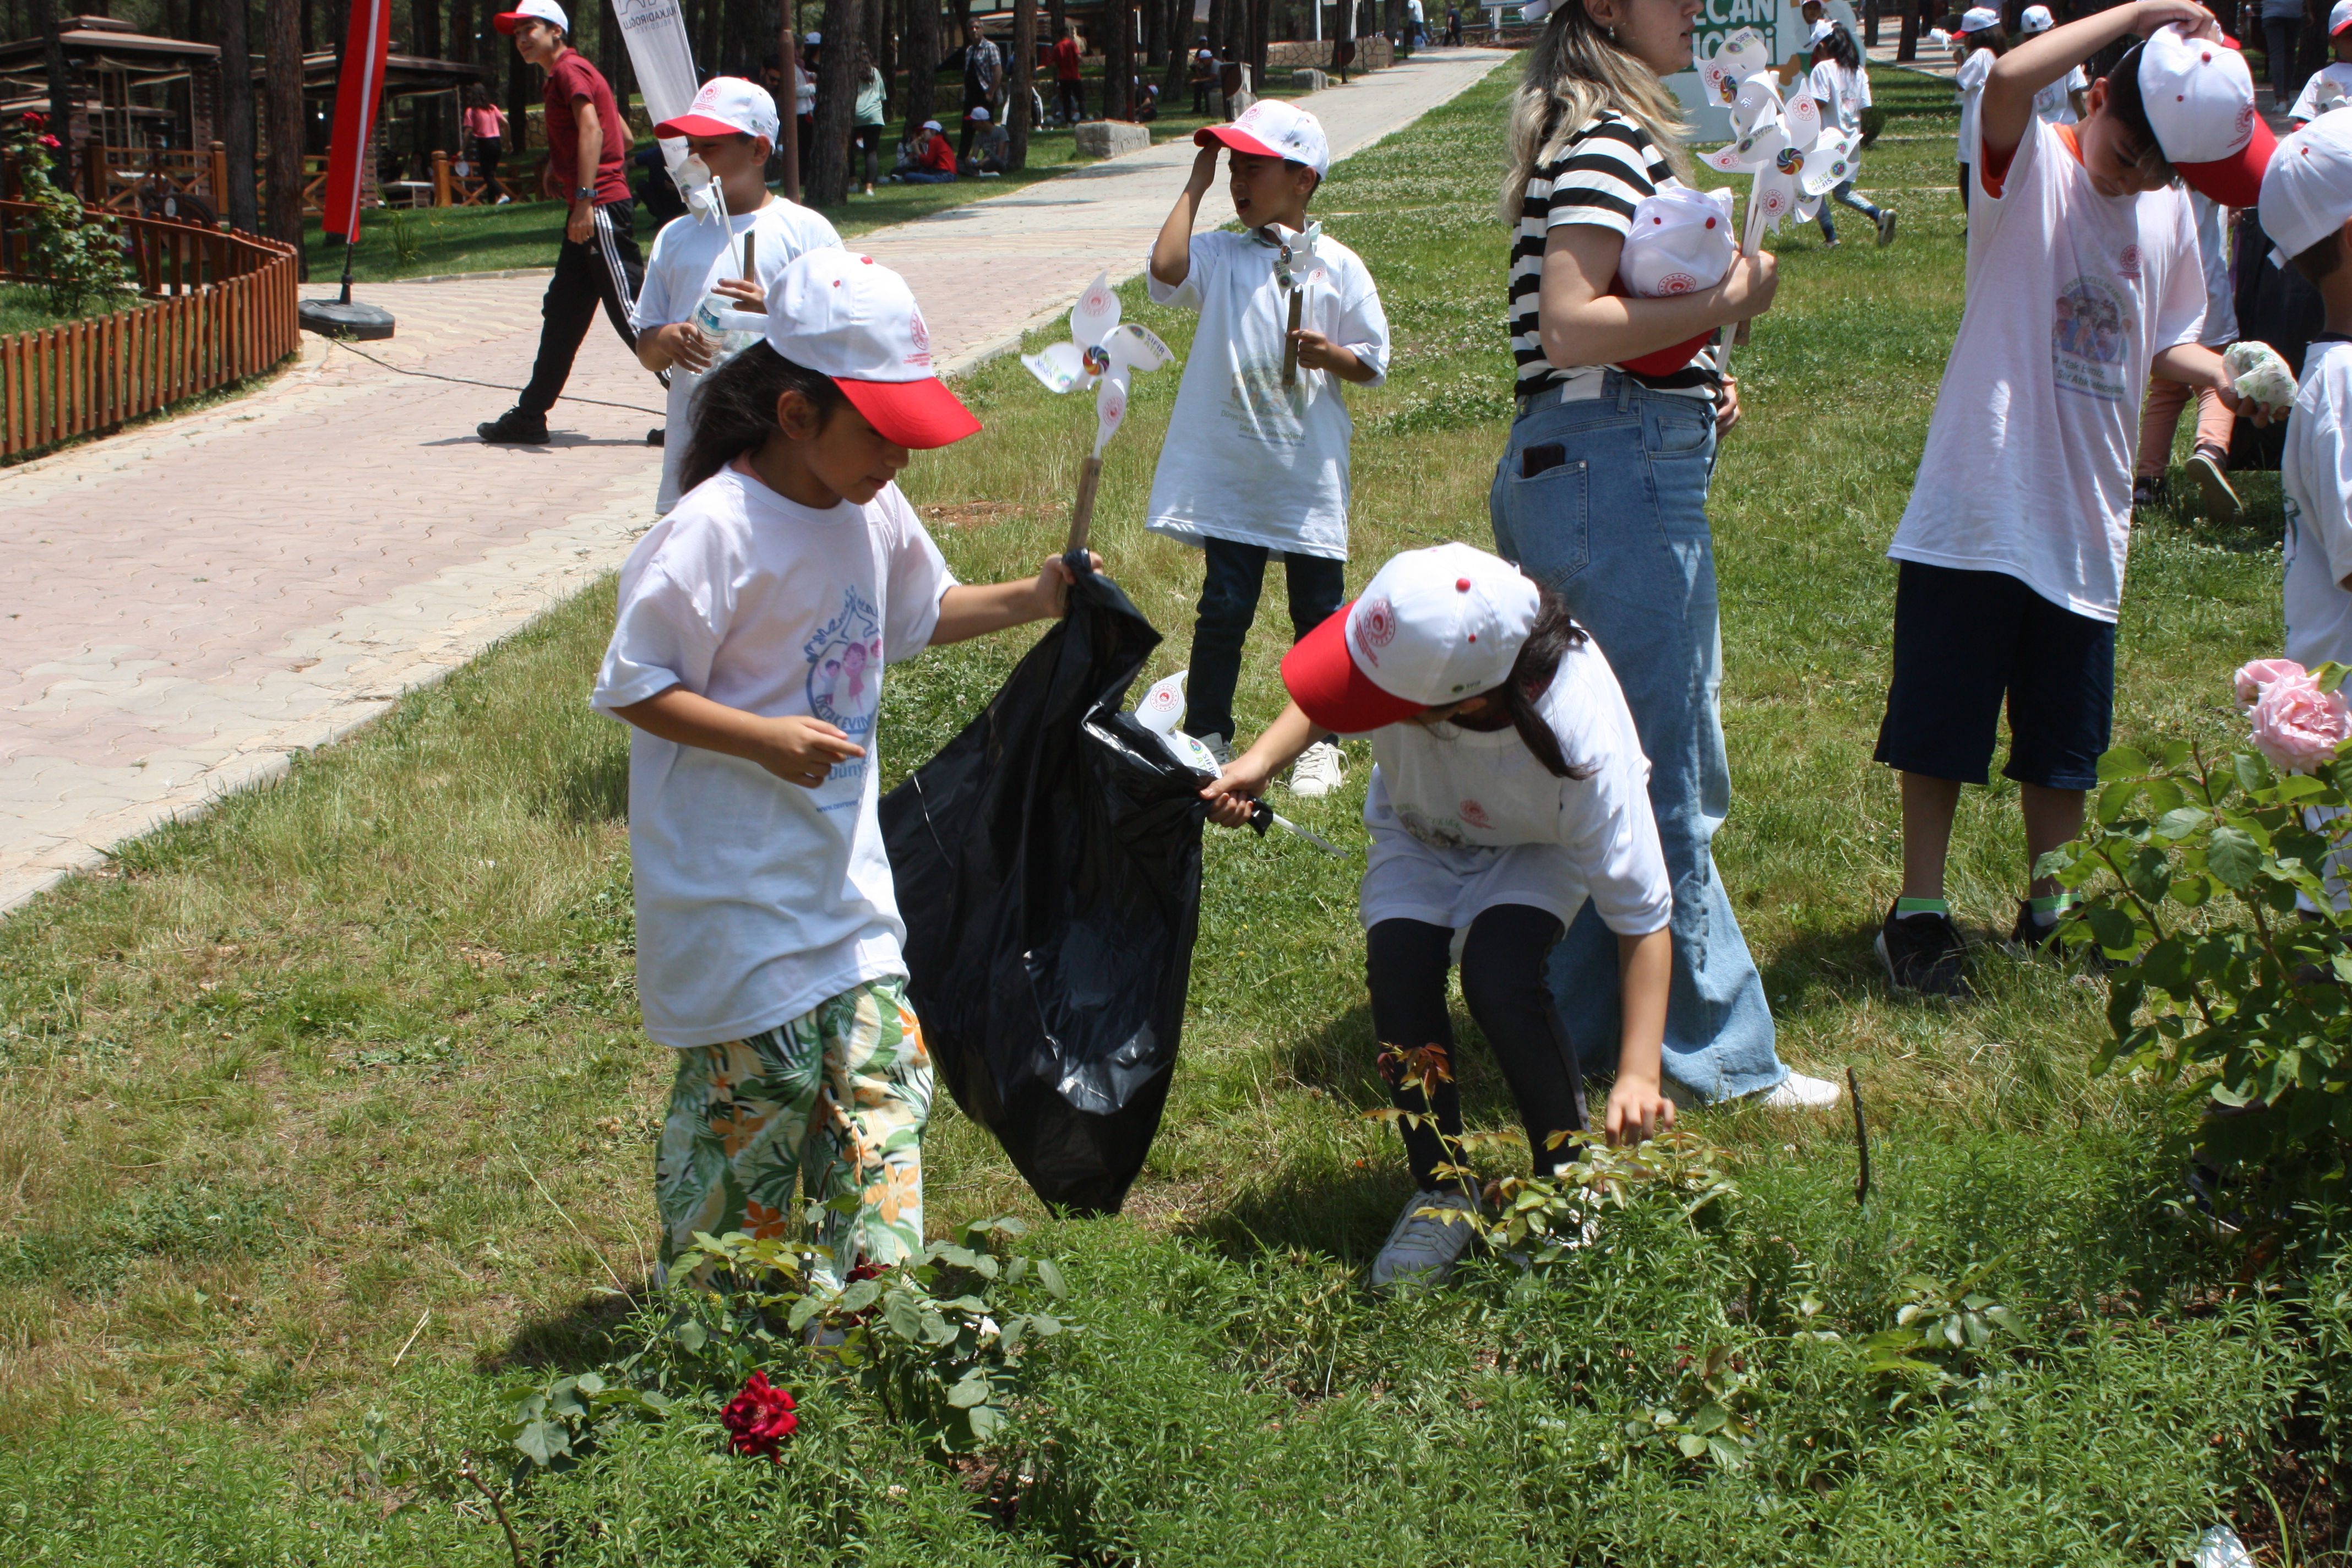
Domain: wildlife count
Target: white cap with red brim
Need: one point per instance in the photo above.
(1432, 628)
(1978, 18)
(854, 320)
(2200, 98)
(1272, 128)
(2339, 17)
(546, 11)
(727, 106)
(2307, 191)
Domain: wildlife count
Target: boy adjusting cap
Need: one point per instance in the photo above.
(1272, 128)
(854, 320)
(727, 106)
(2200, 98)
(532, 11)
(1432, 628)
(2307, 192)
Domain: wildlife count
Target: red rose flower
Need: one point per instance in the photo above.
(51, 142)
(760, 1418)
(34, 119)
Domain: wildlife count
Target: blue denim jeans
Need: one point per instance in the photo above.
(1233, 576)
(1845, 192)
(1613, 517)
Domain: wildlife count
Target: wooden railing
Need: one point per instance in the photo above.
(220, 306)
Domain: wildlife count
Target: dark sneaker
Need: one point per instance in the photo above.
(654, 437)
(1922, 954)
(2221, 500)
(2030, 939)
(1885, 229)
(2151, 489)
(514, 429)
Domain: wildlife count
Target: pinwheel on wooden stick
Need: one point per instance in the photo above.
(1105, 354)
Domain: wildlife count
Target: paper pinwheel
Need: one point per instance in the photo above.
(1795, 159)
(1104, 355)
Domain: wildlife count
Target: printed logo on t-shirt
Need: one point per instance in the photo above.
(1262, 409)
(1474, 814)
(845, 675)
(2088, 338)
(1436, 834)
(2128, 262)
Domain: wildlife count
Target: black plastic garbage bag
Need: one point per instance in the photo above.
(1048, 868)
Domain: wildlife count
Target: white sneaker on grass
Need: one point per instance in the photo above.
(1421, 1246)
(1220, 747)
(1798, 1092)
(1318, 770)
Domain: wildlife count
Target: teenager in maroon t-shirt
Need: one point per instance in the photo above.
(588, 147)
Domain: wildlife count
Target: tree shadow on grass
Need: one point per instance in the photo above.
(575, 1338)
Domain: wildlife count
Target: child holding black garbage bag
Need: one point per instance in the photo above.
(1508, 786)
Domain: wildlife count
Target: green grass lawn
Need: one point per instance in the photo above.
(324, 1114)
(25, 308)
(396, 242)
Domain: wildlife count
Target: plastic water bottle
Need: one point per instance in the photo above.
(731, 330)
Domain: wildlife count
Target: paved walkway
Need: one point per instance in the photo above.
(189, 604)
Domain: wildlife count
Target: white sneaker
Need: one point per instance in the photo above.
(1424, 1247)
(1798, 1092)
(1220, 747)
(1318, 771)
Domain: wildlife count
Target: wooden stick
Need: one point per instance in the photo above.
(1082, 516)
(750, 276)
(1290, 344)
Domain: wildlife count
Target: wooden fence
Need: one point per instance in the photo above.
(219, 306)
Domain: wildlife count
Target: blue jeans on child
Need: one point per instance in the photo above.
(1232, 579)
(1845, 192)
(1605, 502)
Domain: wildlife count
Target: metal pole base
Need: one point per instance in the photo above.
(334, 319)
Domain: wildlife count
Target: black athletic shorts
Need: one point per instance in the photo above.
(1967, 641)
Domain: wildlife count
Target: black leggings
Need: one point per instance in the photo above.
(1503, 980)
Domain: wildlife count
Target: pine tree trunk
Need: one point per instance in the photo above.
(1020, 70)
(1181, 33)
(1119, 60)
(61, 96)
(239, 205)
(837, 101)
(285, 81)
(922, 60)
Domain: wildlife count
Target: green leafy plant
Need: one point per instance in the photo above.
(1546, 1218)
(78, 258)
(1711, 1416)
(545, 1422)
(1941, 1328)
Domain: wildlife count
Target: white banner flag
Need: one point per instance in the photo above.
(654, 31)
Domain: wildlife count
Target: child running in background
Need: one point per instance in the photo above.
(2307, 209)
(2083, 278)
(755, 624)
(1508, 788)
(732, 127)
(2328, 87)
(1252, 465)
(1842, 89)
(1981, 43)
(2060, 103)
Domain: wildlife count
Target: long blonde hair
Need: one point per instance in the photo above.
(1575, 72)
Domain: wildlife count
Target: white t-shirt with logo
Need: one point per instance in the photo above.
(2323, 91)
(2028, 466)
(1970, 82)
(688, 259)
(1847, 93)
(1246, 458)
(2053, 104)
(756, 899)
(2315, 475)
(1463, 820)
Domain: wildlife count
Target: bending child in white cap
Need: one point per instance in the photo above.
(1980, 42)
(2330, 86)
(1255, 462)
(2083, 278)
(755, 624)
(1508, 788)
(729, 130)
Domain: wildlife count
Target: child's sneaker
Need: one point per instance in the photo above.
(1318, 771)
(2030, 937)
(1885, 229)
(2150, 490)
(1220, 747)
(1424, 1248)
(2221, 500)
(1798, 1092)
(1922, 954)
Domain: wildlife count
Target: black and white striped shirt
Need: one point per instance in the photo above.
(1609, 166)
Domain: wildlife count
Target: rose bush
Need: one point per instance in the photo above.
(78, 260)
(759, 1419)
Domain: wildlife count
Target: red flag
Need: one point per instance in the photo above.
(356, 93)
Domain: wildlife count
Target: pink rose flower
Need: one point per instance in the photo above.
(2258, 673)
(2296, 725)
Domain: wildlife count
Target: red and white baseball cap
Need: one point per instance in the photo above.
(532, 11)
(727, 106)
(2339, 17)
(1680, 242)
(1432, 628)
(2200, 98)
(1272, 128)
(1977, 18)
(853, 320)
(2307, 191)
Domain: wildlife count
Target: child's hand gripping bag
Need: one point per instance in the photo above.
(1680, 243)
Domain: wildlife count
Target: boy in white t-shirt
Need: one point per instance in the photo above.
(755, 624)
(1252, 465)
(2083, 277)
(731, 129)
(2060, 103)
(2331, 85)
(2307, 209)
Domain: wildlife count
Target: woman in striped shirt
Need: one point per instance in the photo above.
(1603, 496)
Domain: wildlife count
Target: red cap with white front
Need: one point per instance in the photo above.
(546, 11)
(1432, 628)
(2200, 98)
(1272, 128)
(727, 106)
(849, 318)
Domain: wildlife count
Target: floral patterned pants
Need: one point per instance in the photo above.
(836, 1099)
